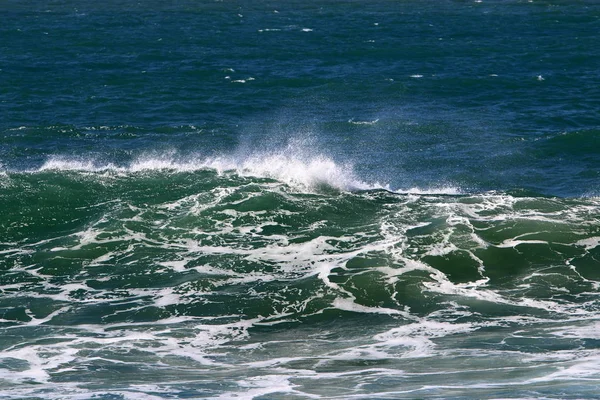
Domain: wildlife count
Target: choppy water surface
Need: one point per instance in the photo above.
(300, 200)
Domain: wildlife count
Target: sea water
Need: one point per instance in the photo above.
(299, 199)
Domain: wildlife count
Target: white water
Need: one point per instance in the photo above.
(300, 169)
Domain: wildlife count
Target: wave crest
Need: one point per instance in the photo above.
(310, 172)
(294, 168)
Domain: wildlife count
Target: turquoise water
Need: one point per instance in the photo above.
(330, 200)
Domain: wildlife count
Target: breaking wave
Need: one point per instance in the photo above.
(300, 171)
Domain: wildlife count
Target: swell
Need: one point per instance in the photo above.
(378, 249)
(304, 171)
(574, 143)
(161, 275)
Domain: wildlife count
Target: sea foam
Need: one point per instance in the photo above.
(297, 170)
(295, 163)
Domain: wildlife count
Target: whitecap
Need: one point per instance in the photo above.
(346, 304)
(373, 122)
(65, 164)
(295, 166)
(432, 191)
(589, 243)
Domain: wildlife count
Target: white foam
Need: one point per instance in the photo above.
(166, 297)
(309, 172)
(263, 385)
(291, 166)
(586, 367)
(373, 122)
(296, 165)
(514, 243)
(134, 395)
(589, 243)
(416, 337)
(425, 328)
(65, 164)
(39, 359)
(442, 190)
(349, 305)
(177, 266)
(366, 352)
(587, 331)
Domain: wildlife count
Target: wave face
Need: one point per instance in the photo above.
(149, 280)
(291, 200)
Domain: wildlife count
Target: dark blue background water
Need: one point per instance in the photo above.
(483, 96)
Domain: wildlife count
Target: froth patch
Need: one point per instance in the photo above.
(311, 171)
(307, 172)
(354, 122)
(64, 164)
(350, 305)
(259, 386)
(442, 190)
(417, 337)
(293, 166)
(589, 243)
(4, 178)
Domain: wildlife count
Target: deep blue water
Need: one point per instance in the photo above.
(286, 199)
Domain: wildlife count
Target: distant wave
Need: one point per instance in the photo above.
(445, 190)
(373, 122)
(305, 172)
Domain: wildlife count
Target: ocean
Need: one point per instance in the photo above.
(333, 199)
